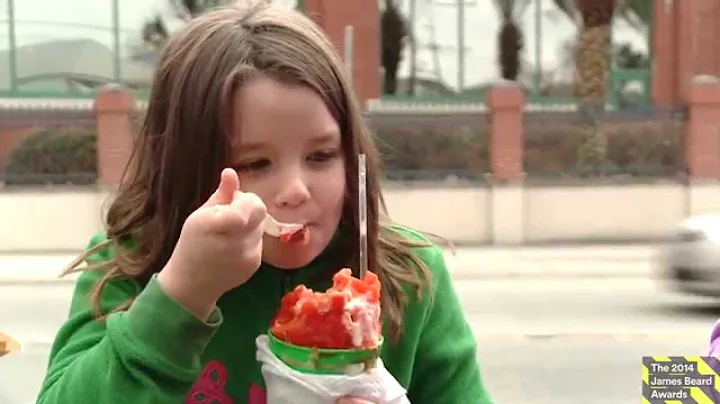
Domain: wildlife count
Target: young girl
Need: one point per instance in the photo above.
(250, 114)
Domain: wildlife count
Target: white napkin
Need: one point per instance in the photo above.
(285, 385)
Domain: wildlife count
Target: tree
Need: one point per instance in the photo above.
(594, 47)
(637, 13)
(594, 19)
(393, 31)
(510, 37)
(156, 31)
(627, 57)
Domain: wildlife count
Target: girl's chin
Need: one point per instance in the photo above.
(290, 263)
(292, 256)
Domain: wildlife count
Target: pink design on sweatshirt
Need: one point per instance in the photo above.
(257, 395)
(209, 388)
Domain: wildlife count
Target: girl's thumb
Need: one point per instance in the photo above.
(229, 184)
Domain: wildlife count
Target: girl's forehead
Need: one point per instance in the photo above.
(270, 113)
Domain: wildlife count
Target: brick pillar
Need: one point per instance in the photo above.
(664, 91)
(705, 23)
(702, 136)
(684, 46)
(113, 107)
(506, 102)
(364, 16)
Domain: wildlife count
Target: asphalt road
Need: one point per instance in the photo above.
(579, 341)
(540, 340)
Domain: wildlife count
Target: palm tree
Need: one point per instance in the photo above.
(156, 32)
(510, 37)
(594, 47)
(393, 31)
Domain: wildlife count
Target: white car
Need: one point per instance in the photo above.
(690, 263)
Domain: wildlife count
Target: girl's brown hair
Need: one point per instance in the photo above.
(184, 144)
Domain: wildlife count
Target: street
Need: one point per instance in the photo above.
(541, 340)
(569, 341)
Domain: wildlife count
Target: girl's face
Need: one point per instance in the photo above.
(288, 151)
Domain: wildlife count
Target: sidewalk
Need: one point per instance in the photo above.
(36, 268)
(468, 263)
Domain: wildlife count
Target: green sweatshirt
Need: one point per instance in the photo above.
(157, 352)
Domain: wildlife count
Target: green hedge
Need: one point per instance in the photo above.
(639, 148)
(432, 155)
(424, 152)
(52, 157)
(652, 148)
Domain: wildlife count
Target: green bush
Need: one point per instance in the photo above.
(425, 154)
(430, 150)
(54, 156)
(637, 148)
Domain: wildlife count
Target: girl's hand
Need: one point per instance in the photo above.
(220, 247)
(352, 400)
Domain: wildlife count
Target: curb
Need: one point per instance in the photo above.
(584, 337)
(458, 275)
(467, 264)
(23, 269)
(700, 335)
(49, 278)
(465, 275)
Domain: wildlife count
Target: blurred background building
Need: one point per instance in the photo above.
(69, 48)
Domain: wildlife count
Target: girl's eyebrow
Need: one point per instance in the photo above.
(251, 146)
(329, 136)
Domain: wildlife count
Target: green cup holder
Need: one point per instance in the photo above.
(323, 361)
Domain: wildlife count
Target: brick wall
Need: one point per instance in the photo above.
(10, 138)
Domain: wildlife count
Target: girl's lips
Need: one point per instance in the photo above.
(301, 236)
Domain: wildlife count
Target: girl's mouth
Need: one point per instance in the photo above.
(301, 236)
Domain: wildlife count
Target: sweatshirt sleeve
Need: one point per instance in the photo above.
(446, 367)
(150, 353)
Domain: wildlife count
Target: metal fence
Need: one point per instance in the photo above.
(69, 49)
(635, 144)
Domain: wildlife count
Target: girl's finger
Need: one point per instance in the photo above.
(229, 184)
(250, 209)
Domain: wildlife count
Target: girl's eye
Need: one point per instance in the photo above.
(254, 165)
(322, 156)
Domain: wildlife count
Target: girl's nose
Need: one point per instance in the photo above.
(293, 192)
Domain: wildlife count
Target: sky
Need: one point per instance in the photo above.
(47, 20)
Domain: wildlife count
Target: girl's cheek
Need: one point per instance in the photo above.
(249, 183)
(261, 185)
(249, 178)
